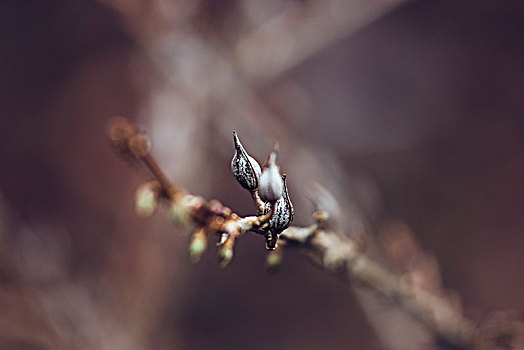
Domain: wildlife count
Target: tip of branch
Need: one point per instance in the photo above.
(119, 131)
(126, 137)
(119, 126)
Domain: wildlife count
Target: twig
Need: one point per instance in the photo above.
(327, 249)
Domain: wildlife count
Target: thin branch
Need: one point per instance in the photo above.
(329, 250)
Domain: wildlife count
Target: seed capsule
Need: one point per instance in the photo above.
(271, 184)
(281, 218)
(244, 167)
(283, 214)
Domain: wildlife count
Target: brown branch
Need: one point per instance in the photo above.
(329, 250)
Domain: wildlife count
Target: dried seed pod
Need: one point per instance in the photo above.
(271, 185)
(283, 214)
(281, 218)
(244, 167)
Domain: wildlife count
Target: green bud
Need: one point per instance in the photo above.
(197, 246)
(178, 213)
(146, 200)
(225, 255)
(273, 260)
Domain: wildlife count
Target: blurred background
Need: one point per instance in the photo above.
(410, 112)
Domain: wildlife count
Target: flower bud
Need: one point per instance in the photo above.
(283, 213)
(271, 185)
(146, 199)
(244, 167)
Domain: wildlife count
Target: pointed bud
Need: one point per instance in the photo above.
(283, 213)
(244, 167)
(146, 199)
(271, 185)
(198, 245)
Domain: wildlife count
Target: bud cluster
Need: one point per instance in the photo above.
(270, 186)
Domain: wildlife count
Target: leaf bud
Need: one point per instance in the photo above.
(198, 245)
(146, 199)
(177, 213)
(225, 252)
